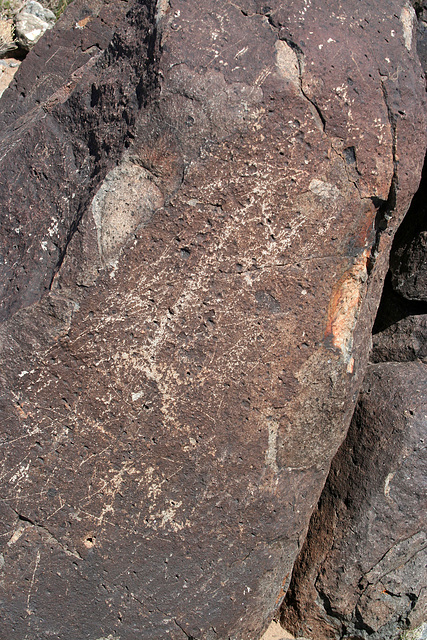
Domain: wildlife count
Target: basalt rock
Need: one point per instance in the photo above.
(408, 264)
(190, 288)
(362, 573)
(403, 341)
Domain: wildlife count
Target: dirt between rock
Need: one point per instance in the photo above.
(276, 632)
(8, 68)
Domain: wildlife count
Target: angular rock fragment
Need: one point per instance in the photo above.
(31, 23)
(188, 300)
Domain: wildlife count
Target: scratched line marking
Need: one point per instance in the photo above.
(33, 578)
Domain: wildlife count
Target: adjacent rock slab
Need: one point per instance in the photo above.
(403, 341)
(189, 292)
(362, 573)
(408, 263)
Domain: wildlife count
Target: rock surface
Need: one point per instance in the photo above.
(363, 570)
(189, 292)
(403, 341)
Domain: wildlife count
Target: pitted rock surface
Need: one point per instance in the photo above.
(182, 365)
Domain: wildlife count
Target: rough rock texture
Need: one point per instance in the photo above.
(403, 341)
(408, 264)
(190, 288)
(363, 570)
(62, 132)
(421, 10)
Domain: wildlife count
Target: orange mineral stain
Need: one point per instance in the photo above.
(82, 23)
(282, 590)
(344, 306)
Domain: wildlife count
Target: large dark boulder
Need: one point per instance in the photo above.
(190, 288)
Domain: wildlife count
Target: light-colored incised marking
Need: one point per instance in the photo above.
(271, 453)
(387, 484)
(33, 578)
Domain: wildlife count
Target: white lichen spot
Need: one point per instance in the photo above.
(43, 245)
(324, 189)
(287, 62)
(53, 227)
(136, 396)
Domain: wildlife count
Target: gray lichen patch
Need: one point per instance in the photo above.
(126, 199)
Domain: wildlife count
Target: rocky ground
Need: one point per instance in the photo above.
(276, 632)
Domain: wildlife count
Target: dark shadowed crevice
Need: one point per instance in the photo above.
(394, 306)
